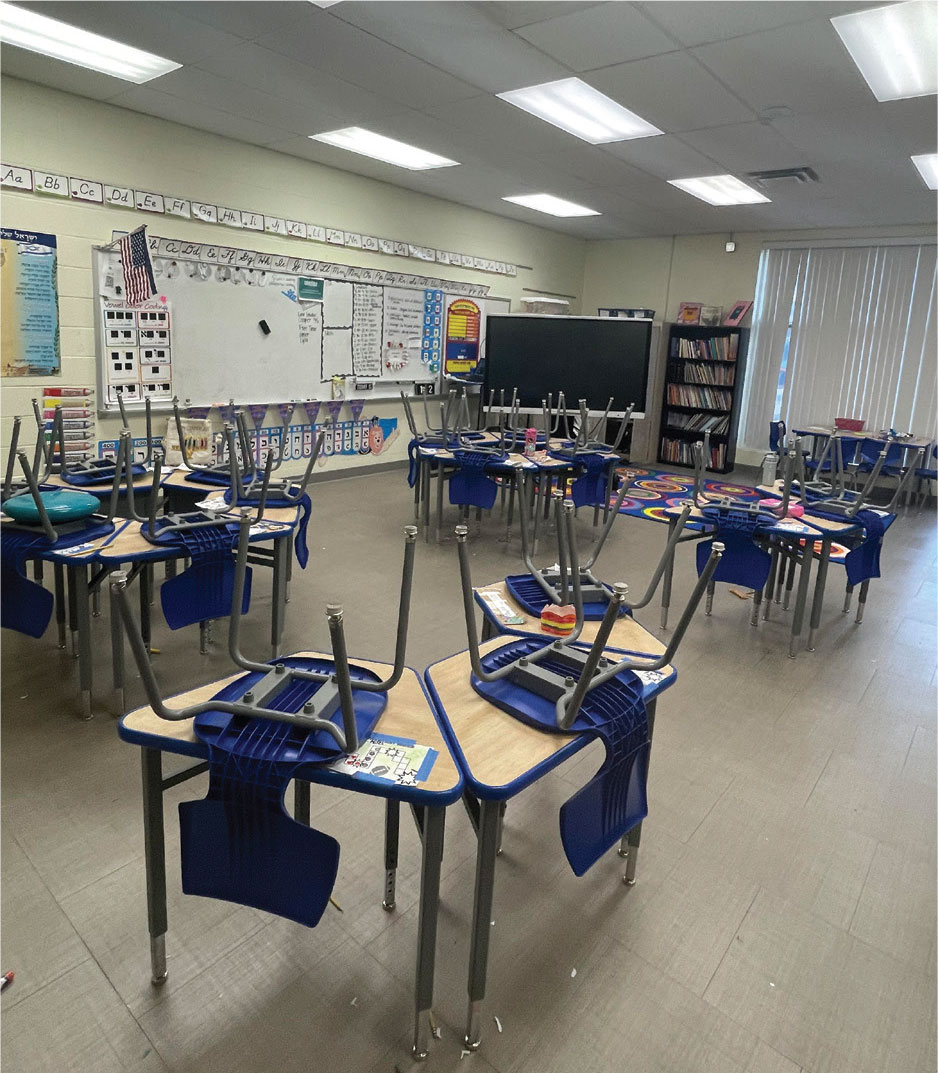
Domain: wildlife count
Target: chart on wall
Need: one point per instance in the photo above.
(29, 304)
(231, 326)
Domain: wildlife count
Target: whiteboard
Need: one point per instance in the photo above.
(215, 332)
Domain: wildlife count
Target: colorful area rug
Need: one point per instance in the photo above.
(654, 490)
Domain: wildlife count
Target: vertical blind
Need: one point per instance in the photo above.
(843, 332)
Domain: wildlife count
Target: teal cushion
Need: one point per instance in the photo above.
(62, 505)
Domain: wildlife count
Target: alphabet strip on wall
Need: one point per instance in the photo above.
(49, 184)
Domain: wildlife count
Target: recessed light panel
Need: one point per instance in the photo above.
(49, 37)
(378, 147)
(927, 164)
(720, 190)
(553, 206)
(580, 110)
(894, 47)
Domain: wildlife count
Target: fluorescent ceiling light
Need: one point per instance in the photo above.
(554, 206)
(367, 143)
(324, 3)
(26, 29)
(927, 164)
(580, 110)
(720, 190)
(894, 47)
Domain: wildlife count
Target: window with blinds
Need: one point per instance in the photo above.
(843, 332)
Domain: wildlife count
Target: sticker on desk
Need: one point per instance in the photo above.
(259, 528)
(650, 678)
(398, 760)
(502, 609)
(76, 549)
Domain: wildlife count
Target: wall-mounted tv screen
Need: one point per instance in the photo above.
(592, 358)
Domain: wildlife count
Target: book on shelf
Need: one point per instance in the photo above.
(681, 452)
(703, 398)
(703, 373)
(718, 348)
(717, 426)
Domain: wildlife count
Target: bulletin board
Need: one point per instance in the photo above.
(269, 328)
(29, 304)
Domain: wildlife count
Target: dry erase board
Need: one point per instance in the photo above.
(261, 334)
(592, 358)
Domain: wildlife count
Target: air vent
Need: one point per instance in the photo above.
(803, 174)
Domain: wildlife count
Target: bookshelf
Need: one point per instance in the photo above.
(702, 393)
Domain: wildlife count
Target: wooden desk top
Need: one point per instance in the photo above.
(408, 714)
(142, 484)
(822, 525)
(515, 459)
(626, 634)
(497, 748)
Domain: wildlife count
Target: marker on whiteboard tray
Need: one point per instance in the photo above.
(6, 979)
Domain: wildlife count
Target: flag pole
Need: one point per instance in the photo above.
(116, 241)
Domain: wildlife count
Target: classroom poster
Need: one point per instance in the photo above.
(29, 304)
(463, 322)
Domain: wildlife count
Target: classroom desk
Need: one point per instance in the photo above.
(81, 570)
(430, 459)
(408, 714)
(499, 757)
(788, 534)
(627, 634)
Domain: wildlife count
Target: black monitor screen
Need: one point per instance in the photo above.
(592, 358)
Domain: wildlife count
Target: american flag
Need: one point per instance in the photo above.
(139, 284)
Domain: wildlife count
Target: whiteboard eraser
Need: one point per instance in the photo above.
(264, 327)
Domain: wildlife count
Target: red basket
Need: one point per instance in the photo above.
(849, 424)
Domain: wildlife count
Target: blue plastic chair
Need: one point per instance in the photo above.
(205, 590)
(589, 487)
(744, 561)
(777, 432)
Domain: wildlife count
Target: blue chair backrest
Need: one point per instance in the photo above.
(870, 450)
(743, 561)
(777, 431)
(589, 488)
(470, 485)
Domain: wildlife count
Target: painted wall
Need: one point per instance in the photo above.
(54, 131)
(660, 273)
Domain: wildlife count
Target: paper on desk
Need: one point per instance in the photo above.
(76, 549)
(405, 763)
(501, 609)
(215, 504)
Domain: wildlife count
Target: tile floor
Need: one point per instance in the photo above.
(784, 917)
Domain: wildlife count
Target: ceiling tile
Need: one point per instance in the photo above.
(804, 67)
(143, 25)
(316, 93)
(247, 19)
(359, 58)
(665, 157)
(742, 147)
(457, 38)
(525, 12)
(694, 23)
(672, 91)
(598, 37)
(195, 114)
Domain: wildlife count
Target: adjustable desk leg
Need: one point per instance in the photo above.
(668, 577)
(417, 483)
(278, 600)
(769, 589)
(37, 570)
(392, 830)
(802, 598)
(439, 498)
(818, 603)
(154, 850)
(425, 465)
(481, 919)
(71, 574)
(848, 596)
(301, 801)
(79, 585)
(117, 652)
(58, 573)
(861, 600)
(434, 819)
(628, 847)
(790, 582)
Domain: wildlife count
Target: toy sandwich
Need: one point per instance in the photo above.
(558, 620)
